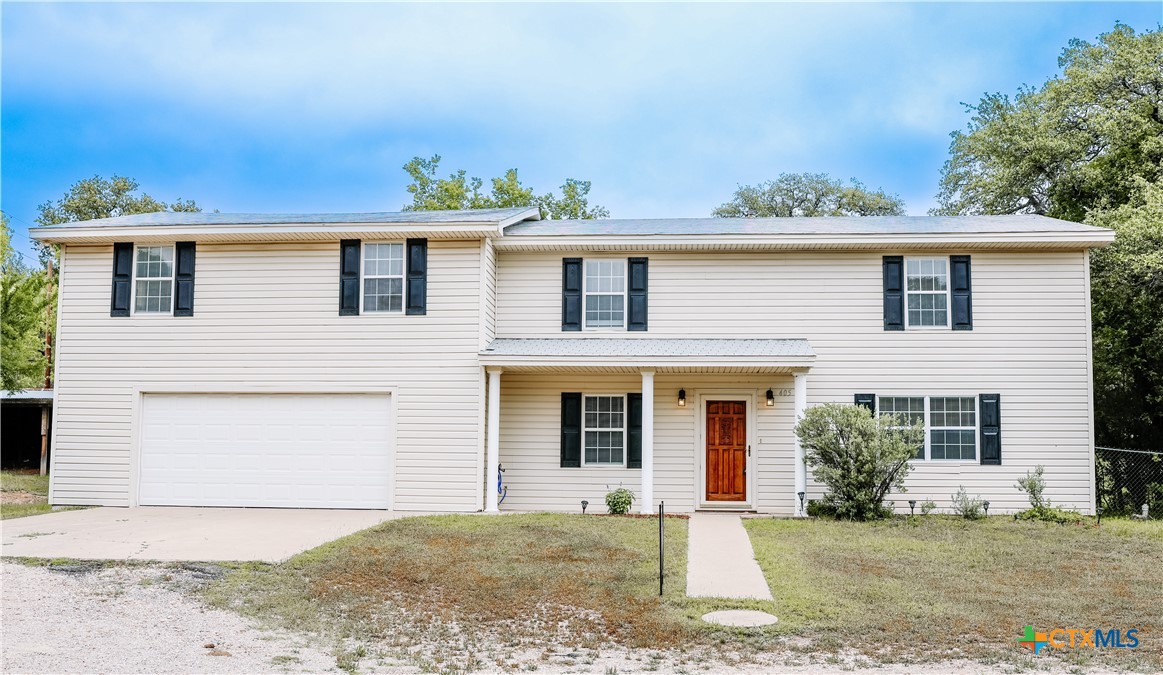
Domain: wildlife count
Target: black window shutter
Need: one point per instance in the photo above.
(349, 277)
(962, 291)
(634, 431)
(571, 429)
(990, 428)
(894, 292)
(867, 400)
(122, 278)
(184, 278)
(417, 277)
(571, 294)
(638, 286)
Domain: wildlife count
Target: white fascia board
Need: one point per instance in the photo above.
(648, 361)
(273, 232)
(1068, 240)
(532, 213)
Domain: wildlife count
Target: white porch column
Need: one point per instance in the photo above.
(493, 433)
(646, 502)
(801, 404)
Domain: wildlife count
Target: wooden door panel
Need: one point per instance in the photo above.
(726, 451)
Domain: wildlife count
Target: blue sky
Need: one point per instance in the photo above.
(665, 107)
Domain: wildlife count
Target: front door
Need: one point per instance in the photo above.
(726, 451)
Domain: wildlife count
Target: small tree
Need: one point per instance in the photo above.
(1034, 485)
(858, 456)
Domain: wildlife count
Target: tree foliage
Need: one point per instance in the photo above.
(1127, 314)
(459, 191)
(1073, 145)
(859, 456)
(809, 194)
(24, 299)
(95, 197)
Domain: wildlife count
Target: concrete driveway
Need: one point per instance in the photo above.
(182, 533)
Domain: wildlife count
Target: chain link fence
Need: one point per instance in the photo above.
(1128, 480)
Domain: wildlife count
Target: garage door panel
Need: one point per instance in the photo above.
(292, 450)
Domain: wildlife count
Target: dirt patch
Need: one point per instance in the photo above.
(20, 497)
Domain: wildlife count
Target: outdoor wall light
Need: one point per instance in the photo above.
(682, 398)
(912, 507)
(770, 398)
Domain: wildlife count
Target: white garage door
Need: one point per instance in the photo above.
(288, 450)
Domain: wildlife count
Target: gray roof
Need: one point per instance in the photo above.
(649, 347)
(28, 396)
(167, 218)
(871, 225)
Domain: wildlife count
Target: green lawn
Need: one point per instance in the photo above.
(941, 585)
(502, 591)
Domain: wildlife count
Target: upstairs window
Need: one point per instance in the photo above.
(927, 292)
(605, 293)
(383, 277)
(153, 290)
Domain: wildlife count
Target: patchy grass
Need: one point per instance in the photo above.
(467, 592)
(24, 493)
(939, 587)
(22, 481)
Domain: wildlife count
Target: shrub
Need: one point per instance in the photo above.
(970, 508)
(928, 506)
(818, 509)
(858, 456)
(1034, 485)
(619, 501)
(1050, 515)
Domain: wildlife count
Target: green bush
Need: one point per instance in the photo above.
(970, 508)
(818, 509)
(619, 501)
(858, 456)
(1034, 485)
(1050, 515)
(928, 506)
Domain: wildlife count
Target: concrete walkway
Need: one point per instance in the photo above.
(720, 561)
(182, 532)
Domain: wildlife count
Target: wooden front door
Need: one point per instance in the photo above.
(726, 451)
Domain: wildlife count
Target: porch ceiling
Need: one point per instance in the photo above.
(629, 355)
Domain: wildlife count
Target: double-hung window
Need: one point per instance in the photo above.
(927, 292)
(383, 277)
(950, 423)
(911, 409)
(604, 430)
(605, 293)
(153, 289)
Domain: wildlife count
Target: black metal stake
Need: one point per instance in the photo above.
(661, 548)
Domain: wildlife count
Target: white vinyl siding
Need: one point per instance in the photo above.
(153, 279)
(1029, 343)
(268, 320)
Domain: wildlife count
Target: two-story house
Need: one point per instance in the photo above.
(399, 360)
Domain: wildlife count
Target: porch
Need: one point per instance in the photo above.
(697, 423)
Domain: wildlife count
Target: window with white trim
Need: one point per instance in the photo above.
(605, 293)
(153, 287)
(383, 277)
(604, 430)
(950, 423)
(911, 409)
(927, 292)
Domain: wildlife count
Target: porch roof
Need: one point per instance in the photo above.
(621, 354)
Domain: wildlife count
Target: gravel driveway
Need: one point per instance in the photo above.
(131, 620)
